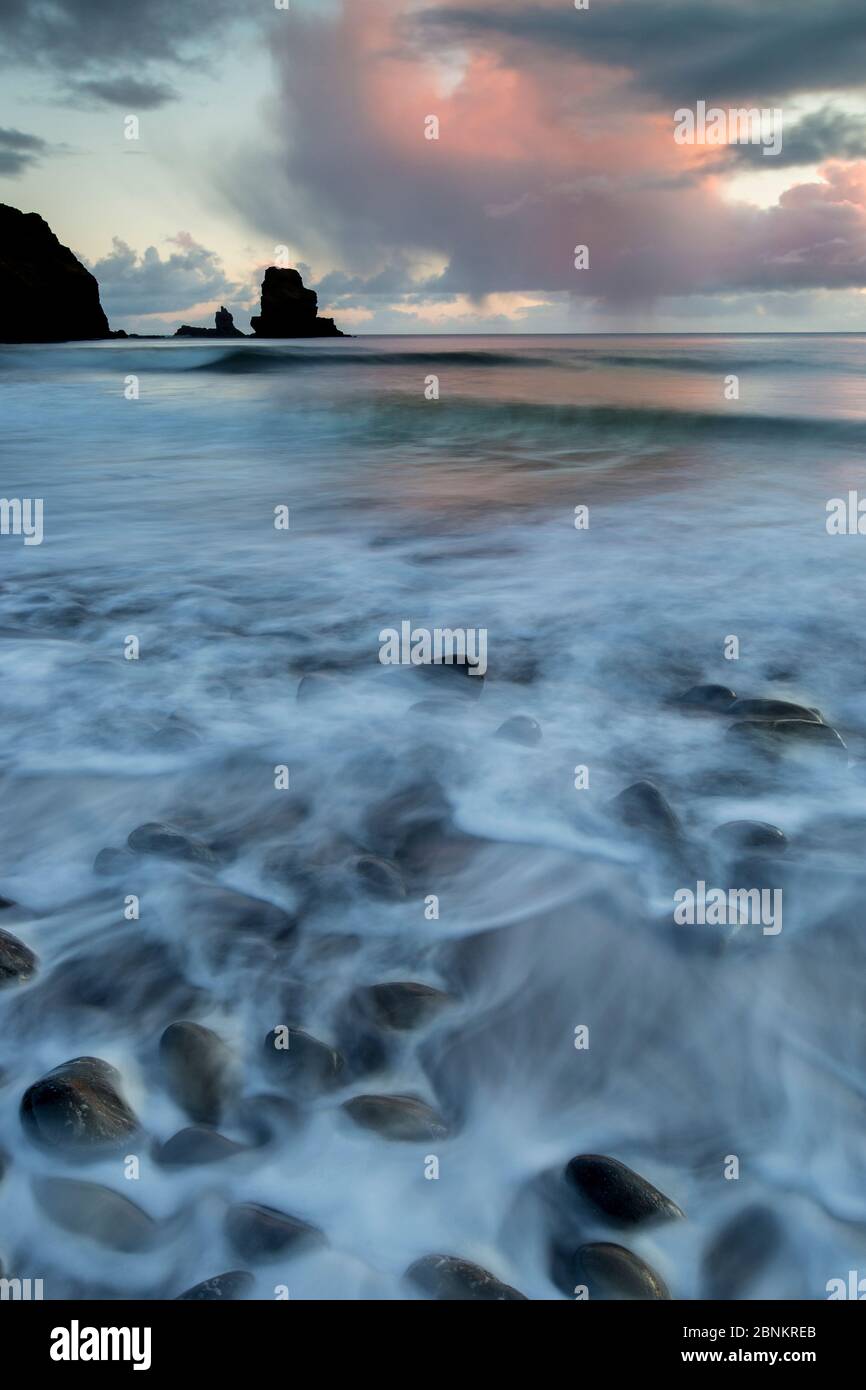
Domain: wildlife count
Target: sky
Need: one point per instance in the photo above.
(307, 125)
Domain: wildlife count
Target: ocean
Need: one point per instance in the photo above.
(624, 518)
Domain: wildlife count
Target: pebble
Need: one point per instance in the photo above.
(170, 843)
(397, 1117)
(259, 1232)
(612, 1272)
(520, 729)
(751, 835)
(741, 1250)
(17, 962)
(617, 1191)
(643, 807)
(708, 697)
(197, 1144)
(399, 1004)
(200, 1070)
(89, 1209)
(233, 1285)
(447, 1278)
(304, 1065)
(78, 1108)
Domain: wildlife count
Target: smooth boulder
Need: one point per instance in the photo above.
(17, 962)
(448, 1278)
(200, 1071)
(258, 1232)
(402, 1118)
(77, 1108)
(617, 1191)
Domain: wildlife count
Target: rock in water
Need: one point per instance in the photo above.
(741, 1252)
(46, 295)
(235, 1284)
(170, 843)
(258, 1232)
(708, 697)
(77, 1108)
(197, 1144)
(617, 1191)
(89, 1209)
(303, 1064)
(612, 1272)
(397, 1117)
(17, 961)
(399, 1004)
(444, 1277)
(200, 1071)
(773, 709)
(224, 327)
(520, 728)
(751, 835)
(289, 310)
(642, 807)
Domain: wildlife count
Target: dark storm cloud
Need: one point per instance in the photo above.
(682, 50)
(130, 283)
(129, 93)
(88, 31)
(19, 151)
(825, 134)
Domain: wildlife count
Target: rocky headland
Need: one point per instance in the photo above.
(48, 296)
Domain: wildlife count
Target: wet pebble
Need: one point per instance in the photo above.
(643, 807)
(750, 835)
(200, 1070)
(197, 1144)
(447, 1278)
(89, 1209)
(78, 1108)
(399, 1004)
(402, 1118)
(114, 863)
(773, 709)
(708, 697)
(17, 962)
(237, 1283)
(259, 1232)
(740, 1252)
(612, 1272)
(520, 729)
(301, 1063)
(168, 842)
(617, 1191)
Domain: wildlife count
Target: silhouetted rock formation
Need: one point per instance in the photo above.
(225, 327)
(46, 295)
(289, 310)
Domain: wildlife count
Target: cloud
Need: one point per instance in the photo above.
(129, 93)
(81, 33)
(677, 49)
(19, 151)
(528, 166)
(824, 135)
(133, 284)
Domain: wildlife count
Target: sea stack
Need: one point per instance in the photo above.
(289, 310)
(46, 294)
(224, 327)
